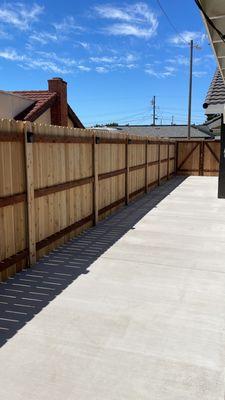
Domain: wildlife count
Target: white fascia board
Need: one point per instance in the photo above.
(214, 109)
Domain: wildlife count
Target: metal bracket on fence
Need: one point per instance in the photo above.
(30, 137)
(97, 140)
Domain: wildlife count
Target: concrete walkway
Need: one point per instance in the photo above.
(145, 318)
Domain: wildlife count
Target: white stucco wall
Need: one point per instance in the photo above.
(11, 104)
(214, 109)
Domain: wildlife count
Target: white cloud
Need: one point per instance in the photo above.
(60, 31)
(46, 65)
(170, 69)
(167, 72)
(4, 34)
(199, 74)
(20, 15)
(12, 55)
(46, 62)
(210, 57)
(53, 56)
(101, 70)
(185, 61)
(179, 60)
(43, 37)
(84, 68)
(67, 25)
(107, 11)
(84, 45)
(185, 37)
(130, 57)
(115, 62)
(128, 30)
(103, 59)
(134, 20)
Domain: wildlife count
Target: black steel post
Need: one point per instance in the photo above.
(221, 187)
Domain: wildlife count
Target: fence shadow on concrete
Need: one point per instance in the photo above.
(27, 293)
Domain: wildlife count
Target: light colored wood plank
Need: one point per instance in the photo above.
(30, 198)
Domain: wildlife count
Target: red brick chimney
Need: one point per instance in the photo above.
(59, 110)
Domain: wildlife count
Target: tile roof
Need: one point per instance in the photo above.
(216, 92)
(43, 99)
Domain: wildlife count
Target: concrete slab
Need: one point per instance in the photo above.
(133, 309)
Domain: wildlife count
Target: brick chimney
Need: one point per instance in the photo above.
(59, 111)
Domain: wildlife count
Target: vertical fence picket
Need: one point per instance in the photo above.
(30, 194)
(146, 166)
(95, 159)
(159, 164)
(168, 161)
(127, 178)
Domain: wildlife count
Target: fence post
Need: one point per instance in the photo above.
(146, 166)
(159, 162)
(28, 140)
(168, 161)
(95, 174)
(201, 159)
(176, 151)
(127, 178)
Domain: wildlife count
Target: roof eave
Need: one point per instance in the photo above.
(217, 45)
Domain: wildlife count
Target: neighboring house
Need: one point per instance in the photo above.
(214, 125)
(164, 131)
(41, 106)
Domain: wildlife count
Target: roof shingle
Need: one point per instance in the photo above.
(216, 92)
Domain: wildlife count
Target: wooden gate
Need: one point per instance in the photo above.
(197, 157)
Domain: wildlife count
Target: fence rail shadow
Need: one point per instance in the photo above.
(28, 292)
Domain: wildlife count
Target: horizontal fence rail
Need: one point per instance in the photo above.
(55, 182)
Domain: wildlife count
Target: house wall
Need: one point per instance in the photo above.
(214, 109)
(11, 105)
(70, 123)
(45, 118)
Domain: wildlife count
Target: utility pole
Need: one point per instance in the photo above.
(154, 108)
(190, 90)
(172, 122)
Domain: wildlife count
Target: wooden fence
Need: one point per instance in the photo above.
(198, 157)
(55, 182)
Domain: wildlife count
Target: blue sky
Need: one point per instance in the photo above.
(114, 55)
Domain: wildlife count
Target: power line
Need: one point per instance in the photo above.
(143, 115)
(179, 120)
(110, 114)
(171, 23)
(177, 114)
